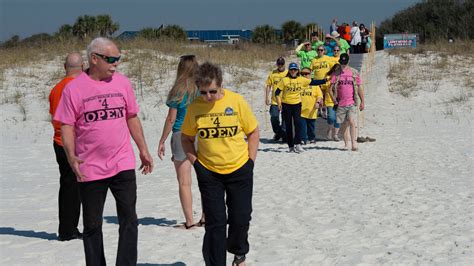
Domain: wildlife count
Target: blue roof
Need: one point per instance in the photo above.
(218, 35)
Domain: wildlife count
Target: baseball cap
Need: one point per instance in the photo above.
(314, 33)
(280, 61)
(293, 66)
(335, 34)
(344, 59)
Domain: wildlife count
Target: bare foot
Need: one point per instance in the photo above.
(355, 149)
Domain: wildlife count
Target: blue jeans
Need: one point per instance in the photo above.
(332, 117)
(308, 129)
(278, 129)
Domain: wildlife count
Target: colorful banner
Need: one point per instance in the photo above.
(399, 40)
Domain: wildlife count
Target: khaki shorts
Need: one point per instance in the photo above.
(177, 148)
(343, 113)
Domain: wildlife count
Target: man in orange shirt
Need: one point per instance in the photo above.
(69, 199)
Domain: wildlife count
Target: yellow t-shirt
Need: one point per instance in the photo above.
(327, 98)
(273, 80)
(291, 89)
(309, 95)
(221, 127)
(321, 66)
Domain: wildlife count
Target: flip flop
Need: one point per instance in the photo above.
(184, 226)
(201, 223)
(238, 260)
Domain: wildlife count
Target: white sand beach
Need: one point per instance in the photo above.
(406, 199)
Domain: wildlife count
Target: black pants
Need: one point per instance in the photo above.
(236, 189)
(124, 189)
(69, 200)
(292, 114)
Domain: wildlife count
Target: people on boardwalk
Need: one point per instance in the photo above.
(289, 102)
(69, 200)
(356, 39)
(336, 53)
(183, 92)
(320, 67)
(306, 54)
(311, 100)
(343, 44)
(365, 36)
(270, 99)
(219, 120)
(315, 41)
(329, 44)
(346, 90)
(98, 115)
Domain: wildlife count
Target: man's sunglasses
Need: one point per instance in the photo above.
(305, 73)
(209, 91)
(108, 59)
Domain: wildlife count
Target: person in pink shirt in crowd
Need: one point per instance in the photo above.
(98, 114)
(345, 92)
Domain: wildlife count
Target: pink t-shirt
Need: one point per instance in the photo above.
(345, 88)
(98, 110)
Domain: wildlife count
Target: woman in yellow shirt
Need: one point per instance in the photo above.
(289, 102)
(311, 99)
(224, 163)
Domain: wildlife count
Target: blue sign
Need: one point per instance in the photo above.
(399, 40)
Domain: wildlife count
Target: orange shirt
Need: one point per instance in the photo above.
(347, 36)
(54, 98)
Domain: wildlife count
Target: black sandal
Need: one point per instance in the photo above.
(201, 223)
(238, 260)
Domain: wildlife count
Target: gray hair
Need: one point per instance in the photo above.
(97, 46)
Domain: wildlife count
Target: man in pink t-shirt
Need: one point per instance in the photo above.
(98, 113)
(345, 95)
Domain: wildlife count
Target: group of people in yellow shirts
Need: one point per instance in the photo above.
(294, 93)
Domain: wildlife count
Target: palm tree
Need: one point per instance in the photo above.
(65, 32)
(292, 30)
(264, 34)
(90, 25)
(105, 26)
(79, 28)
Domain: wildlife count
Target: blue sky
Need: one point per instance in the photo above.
(27, 17)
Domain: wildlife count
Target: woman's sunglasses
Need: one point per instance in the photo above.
(108, 59)
(209, 91)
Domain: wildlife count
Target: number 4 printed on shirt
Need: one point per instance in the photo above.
(105, 104)
(216, 122)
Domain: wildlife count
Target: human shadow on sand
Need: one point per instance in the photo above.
(27, 233)
(145, 221)
(179, 263)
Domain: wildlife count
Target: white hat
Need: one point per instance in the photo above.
(335, 34)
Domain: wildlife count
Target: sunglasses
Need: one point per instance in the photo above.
(108, 59)
(187, 57)
(209, 91)
(336, 50)
(320, 50)
(305, 73)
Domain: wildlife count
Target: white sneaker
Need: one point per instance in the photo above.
(292, 149)
(299, 149)
(336, 138)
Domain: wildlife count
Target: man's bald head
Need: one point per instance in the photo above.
(73, 60)
(73, 64)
